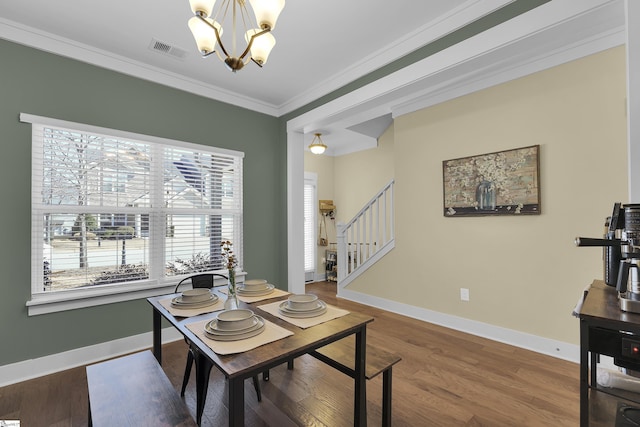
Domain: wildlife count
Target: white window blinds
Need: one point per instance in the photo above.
(111, 207)
(203, 199)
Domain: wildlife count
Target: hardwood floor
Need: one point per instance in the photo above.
(446, 378)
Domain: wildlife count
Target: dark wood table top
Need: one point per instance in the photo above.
(601, 306)
(269, 355)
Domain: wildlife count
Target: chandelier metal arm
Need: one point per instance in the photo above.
(266, 30)
(202, 18)
(219, 40)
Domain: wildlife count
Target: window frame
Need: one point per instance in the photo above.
(158, 283)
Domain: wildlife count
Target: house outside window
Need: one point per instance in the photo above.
(115, 212)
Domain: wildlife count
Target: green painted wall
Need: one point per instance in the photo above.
(39, 83)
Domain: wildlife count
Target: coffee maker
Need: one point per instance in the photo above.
(621, 255)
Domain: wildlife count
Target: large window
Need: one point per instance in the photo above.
(115, 212)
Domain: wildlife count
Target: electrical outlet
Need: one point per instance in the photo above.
(464, 294)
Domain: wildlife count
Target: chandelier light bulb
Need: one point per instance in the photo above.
(204, 35)
(267, 12)
(206, 27)
(261, 46)
(203, 7)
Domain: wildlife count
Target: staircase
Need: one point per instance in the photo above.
(367, 237)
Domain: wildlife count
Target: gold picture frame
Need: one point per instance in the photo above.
(500, 183)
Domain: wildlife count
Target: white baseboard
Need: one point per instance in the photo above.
(33, 368)
(559, 349)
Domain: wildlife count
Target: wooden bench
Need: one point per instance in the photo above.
(341, 356)
(133, 390)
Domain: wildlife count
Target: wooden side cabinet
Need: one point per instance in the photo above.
(606, 330)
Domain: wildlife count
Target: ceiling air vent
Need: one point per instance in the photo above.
(167, 49)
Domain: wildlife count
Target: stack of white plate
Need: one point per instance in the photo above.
(302, 305)
(255, 288)
(234, 325)
(195, 298)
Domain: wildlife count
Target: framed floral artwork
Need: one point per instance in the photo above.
(501, 183)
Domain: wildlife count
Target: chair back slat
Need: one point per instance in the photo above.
(202, 280)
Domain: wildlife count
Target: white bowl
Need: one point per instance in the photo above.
(255, 284)
(238, 318)
(196, 295)
(303, 301)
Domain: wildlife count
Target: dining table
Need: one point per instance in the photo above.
(237, 367)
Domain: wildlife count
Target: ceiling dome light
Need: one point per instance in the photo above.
(317, 146)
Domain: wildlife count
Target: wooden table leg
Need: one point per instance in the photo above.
(386, 397)
(360, 393)
(157, 336)
(584, 374)
(236, 402)
(203, 370)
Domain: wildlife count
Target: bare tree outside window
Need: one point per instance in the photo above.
(91, 176)
(100, 200)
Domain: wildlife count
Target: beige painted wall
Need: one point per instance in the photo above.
(359, 176)
(350, 181)
(524, 273)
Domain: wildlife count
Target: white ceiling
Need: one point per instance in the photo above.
(321, 46)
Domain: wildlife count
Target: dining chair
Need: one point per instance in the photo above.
(204, 280)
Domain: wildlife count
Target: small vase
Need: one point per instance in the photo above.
(486, 196)
(232, 299)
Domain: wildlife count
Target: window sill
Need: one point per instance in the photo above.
(89, 297)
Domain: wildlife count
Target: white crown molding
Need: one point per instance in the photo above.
(47, 42)
(558, 349)
(459, 17)
(549, 35)
(553, 46)
(38, 367)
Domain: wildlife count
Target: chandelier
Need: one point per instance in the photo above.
(317, 146)
(207, 29)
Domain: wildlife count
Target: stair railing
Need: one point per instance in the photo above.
(367, 237)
